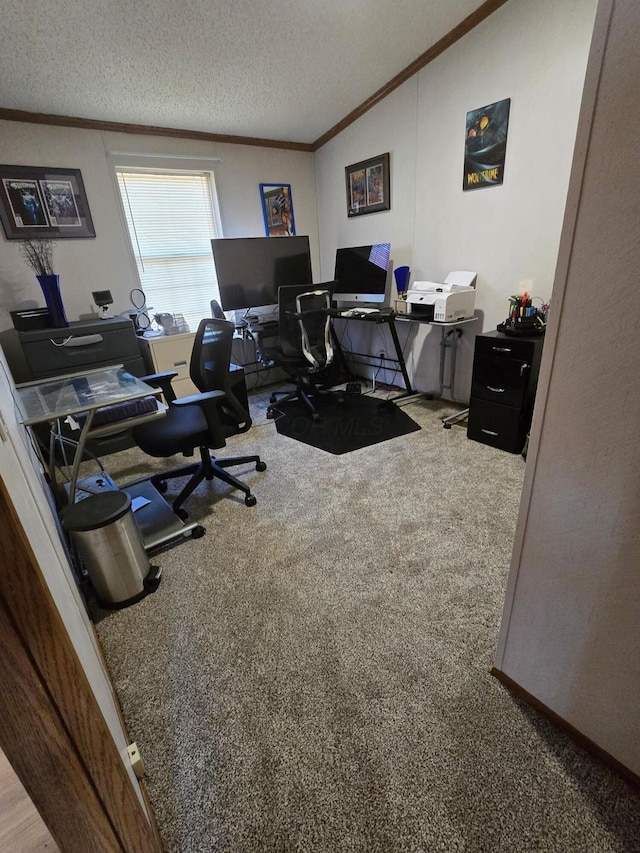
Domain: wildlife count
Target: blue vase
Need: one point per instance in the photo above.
(402, 275)
(50, 285)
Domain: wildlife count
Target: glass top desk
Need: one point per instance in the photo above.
(82, 394)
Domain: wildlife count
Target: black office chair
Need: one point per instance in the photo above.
(216, 310)
(303, 347)
(203, 421)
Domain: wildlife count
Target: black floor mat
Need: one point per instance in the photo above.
(358, 421)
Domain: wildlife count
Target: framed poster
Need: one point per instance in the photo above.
(277, 210)
(36, 201)
(368, 185)
(485, 145)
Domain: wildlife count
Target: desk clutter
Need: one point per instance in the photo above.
(525, 318)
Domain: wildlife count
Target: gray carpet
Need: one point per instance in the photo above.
(313, 674)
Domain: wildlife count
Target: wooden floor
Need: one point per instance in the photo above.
(21, 827)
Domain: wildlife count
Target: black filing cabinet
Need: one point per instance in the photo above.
(503, 389)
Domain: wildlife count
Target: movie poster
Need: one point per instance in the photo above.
(485, 145)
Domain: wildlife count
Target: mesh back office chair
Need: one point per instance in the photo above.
(304, 346)
(203, 421)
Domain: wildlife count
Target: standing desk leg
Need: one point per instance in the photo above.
(338, 348)
(448, 422)
(403, 367)
(448, 340)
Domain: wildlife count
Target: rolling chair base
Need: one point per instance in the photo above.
(208, 468)
(304, 395)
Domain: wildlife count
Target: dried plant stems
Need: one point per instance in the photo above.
(38, 254)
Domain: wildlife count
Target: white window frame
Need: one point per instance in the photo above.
(152, 164)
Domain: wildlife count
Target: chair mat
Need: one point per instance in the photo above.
(359, 421)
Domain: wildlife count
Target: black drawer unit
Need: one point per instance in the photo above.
(83, 345)
(503, 388)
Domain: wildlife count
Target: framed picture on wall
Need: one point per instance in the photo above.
(485, 145)
(277, 210)
(368, 184)
(36, 201)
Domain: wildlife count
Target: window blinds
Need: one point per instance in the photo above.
(171, 223)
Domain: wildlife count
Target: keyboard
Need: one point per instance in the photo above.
(359, 312)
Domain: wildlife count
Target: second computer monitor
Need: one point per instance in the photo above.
(361, 273)
(250, 269)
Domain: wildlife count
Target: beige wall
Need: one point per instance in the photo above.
(570, 628)
(106, 262)
(533, 53)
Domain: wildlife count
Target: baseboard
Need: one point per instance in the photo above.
(575, 735)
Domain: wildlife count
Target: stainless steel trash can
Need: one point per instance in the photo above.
(109, 542)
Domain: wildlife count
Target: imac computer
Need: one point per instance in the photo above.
(361, 273)
(251, 269)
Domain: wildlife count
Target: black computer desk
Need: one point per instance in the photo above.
(450, 333)
(379, 318)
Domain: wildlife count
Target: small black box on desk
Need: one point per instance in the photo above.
(27, 319)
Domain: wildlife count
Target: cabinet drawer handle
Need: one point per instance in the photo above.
(501, 349)
(488, 432)
(80, 341)
(179, 363)
(495, 390)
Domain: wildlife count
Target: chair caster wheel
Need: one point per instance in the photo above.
(161, 486)
(261, 466)
(447, 426)
(197, 532)
(182, 514)
(315, 416)
(272, 398)
(270, 414)
(250, 500)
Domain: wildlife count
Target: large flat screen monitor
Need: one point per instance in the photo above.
(361, 273)
(251, 269)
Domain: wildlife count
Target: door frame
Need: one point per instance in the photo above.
(52, 729)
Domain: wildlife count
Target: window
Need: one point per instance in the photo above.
(171, 221)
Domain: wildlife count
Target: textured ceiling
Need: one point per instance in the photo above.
(284, 69)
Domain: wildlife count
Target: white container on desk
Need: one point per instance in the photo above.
(171, 353)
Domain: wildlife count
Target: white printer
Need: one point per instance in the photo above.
(454, 299)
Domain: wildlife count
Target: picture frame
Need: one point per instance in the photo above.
(277, 210)
(485, 145)
(368, 186)
(38, 201)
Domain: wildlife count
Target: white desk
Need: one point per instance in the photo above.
(82, 394)
(450, 334)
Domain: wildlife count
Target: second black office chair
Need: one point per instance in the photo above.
(304, 347)
(203, 421)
